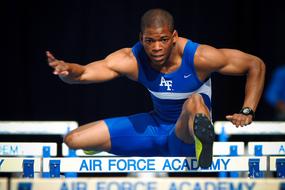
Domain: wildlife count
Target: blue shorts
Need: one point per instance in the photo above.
(145, 134)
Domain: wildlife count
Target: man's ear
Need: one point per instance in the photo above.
(175, 36)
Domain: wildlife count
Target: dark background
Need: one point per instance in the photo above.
(84, 31)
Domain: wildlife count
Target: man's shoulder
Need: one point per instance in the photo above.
(124, 62)
(182, 42)
(124, 53)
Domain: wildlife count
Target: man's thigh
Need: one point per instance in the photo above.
(182, 129)
(137, 135)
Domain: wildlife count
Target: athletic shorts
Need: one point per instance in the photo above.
(144, 134)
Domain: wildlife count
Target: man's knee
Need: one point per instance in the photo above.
(71, 140)
(194, 103)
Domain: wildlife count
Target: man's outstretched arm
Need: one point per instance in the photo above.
(121, 62)
(234, 62)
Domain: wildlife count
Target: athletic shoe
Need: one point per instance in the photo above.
(204, 138)
(90, 152)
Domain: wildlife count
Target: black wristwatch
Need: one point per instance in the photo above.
(247, 111)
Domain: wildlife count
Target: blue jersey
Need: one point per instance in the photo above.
(169, 91)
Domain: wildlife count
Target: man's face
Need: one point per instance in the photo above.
(158, 43)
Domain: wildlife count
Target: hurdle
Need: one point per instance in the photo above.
(120, 183)
(28, 149)
(55, 166)
(219, 149)
(270, 149)
(37, 127)
(266, 148)
(225, 128)
(3, 184)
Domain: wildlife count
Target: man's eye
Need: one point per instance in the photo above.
(165, 40)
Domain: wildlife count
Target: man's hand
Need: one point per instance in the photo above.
(60, 67)
(240, 120)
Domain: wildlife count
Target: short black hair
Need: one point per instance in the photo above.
(157, 18)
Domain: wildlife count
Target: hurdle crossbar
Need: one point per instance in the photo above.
(147, 184)
(266, 148)
(27, 149)
(219, 149)
(228, 148)
(256, 127)
(37, 127)
(150, 164)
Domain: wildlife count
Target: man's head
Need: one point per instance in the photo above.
(158, 35)
(157, 18)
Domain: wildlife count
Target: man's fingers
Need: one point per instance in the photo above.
(229, 117)
(62, 73)
(239, 120)
(50, 57)
(60, 67)
(53, 64)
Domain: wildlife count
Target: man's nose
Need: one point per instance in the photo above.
(157, 46)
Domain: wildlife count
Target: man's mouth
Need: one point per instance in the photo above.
(157, 57)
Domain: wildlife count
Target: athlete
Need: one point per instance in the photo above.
(176, 71)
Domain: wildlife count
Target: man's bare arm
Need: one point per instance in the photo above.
(234, 62)
(119, 63)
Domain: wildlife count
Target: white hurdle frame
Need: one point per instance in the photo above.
(53, 167)
(149, 164)
(256, 127)
(27, 148)
(37, 127)
(266, 148)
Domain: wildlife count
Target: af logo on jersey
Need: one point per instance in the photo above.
(166, 83)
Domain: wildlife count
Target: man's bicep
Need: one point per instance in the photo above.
(99, 71)
(113, 66)
(207, 60)
(236, 62)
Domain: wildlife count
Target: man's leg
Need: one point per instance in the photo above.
(93, 135)
(134, 135)
(194, 126)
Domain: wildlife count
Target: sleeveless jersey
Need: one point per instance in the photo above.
(169, 91)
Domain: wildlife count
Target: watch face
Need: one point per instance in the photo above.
(246, 111)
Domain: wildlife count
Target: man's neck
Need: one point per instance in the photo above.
(172, 63)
